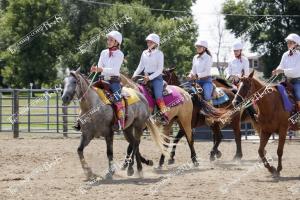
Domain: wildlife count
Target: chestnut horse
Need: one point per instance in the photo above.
(272, 117)
(198, 119)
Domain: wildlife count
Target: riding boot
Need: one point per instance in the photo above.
(120, 115)
(251, 111)
(163, 109)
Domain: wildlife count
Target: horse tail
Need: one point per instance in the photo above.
(210, 111)
(155, 133)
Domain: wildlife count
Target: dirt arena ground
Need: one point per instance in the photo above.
(43, 167)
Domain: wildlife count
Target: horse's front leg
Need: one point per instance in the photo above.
(84, 141)
(109, 152)
(261, 151)
(281, 142)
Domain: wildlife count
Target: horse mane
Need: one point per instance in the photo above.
(223, 82)
(128, 82)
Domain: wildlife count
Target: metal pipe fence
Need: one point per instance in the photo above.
(41, 111)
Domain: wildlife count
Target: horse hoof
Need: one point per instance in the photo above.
(130, 171)
(108, 176)
(150, 163)
(140, 174)
(196, 164)
(124, 166)
(237, 157)
(171, 161)
(159, 167)
(219, 154)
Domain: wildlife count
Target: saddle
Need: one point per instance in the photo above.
(286, 91)
(149, 87)
(129, 96)
(219, 97)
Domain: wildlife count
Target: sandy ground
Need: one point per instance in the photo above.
(48, 168)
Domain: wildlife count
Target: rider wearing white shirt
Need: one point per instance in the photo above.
(290, 64)
(239, 66)
(201, 69)
(109, 65)
(152, 63)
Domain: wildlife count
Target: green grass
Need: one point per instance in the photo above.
(38, 105)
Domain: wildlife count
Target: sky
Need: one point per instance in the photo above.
(206, 14)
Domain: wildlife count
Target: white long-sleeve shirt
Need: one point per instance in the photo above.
(111, 65)
(290, 64)
(152, 63)
(202, 65)
(236, 66)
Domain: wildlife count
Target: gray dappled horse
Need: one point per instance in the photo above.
(100, 123)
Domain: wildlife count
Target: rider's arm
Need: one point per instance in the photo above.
(140, 67)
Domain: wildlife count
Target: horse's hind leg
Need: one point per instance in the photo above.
(185, 124)
(109, 153)
(179, 135)
(84, 141)
(128, 134)
(217, 135)
(127, 158)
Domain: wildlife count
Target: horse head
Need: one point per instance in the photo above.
(70, 85)
(245, 90)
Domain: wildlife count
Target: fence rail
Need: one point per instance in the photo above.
(41, 110)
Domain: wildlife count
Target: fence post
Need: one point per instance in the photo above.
(57, 113)
(0, 111)
(29, 113)
(16, 113)
(65, 120)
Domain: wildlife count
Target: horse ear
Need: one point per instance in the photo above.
(251, 74)
(77, 70)
(172, 69)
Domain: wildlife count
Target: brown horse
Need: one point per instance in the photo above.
(199, 120)
(182, 114)
(272, 117)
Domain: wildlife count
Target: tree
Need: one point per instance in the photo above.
(266, 34)
(36, 61)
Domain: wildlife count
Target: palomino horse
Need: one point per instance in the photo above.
(199, 119)
(272, 117)
(101, 117)
(182, 113)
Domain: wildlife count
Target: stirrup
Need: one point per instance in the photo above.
(76, 126)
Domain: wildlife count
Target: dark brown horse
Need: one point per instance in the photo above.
(198, 119)
(272, 117)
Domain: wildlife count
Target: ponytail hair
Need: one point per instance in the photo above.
(208, 52)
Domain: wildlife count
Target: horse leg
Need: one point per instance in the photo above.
(235, 124)
(217, 136)
(109, 152)
(127, 158)
(261, 151)
(186, 126)
(282, 136)
(166, 131)
(128, 133)
(179, 135)
(84, 141)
